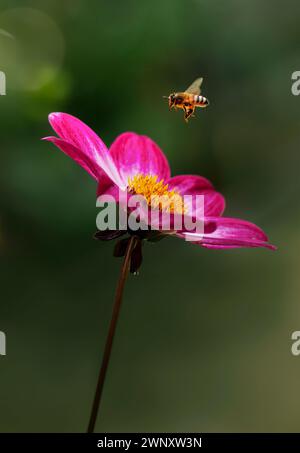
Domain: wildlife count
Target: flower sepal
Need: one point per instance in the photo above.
(108, 235)
(136, 254)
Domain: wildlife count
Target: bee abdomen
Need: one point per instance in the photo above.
(201, 100)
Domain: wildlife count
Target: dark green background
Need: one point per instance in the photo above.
(203, 342)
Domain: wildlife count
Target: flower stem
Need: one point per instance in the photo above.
(111, 333)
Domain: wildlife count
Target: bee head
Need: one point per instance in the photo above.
(171, 100)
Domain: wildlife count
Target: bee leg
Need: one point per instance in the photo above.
(185, 109)
(189, 111)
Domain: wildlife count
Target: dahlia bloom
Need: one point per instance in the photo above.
(136, 165)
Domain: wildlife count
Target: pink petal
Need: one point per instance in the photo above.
(106, 186)
(214, 203)
(77, 155)
(230, 233)
(134, 154)
(189, 184)
(79, 135)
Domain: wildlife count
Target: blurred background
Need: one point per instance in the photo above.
(203, 343)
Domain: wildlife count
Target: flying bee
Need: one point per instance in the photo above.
(189, 99)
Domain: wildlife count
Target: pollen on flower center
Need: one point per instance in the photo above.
(156, 193)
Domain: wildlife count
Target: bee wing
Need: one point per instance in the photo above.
(195, 87)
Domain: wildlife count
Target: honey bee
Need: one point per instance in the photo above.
(189, 99)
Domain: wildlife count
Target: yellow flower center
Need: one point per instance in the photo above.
(156, 193)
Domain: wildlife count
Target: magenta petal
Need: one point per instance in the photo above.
(189, 184)
(230, 233)
(106, 186)
(134, 154)
(214, 203)
(104, 183)
(77, 155)
(79, 135)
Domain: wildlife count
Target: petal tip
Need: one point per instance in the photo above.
(53, 116)
(48, 139)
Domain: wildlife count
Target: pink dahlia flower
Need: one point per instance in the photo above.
(136, 165)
